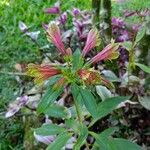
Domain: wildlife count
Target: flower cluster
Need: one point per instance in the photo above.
(85, 73)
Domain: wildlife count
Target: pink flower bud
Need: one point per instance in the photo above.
(108, 53)
(41, 73)
(54, 35)
(92, 41)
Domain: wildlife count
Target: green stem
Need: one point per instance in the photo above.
(96, 10)
(78, 111)
(80, 119)
(87, 146)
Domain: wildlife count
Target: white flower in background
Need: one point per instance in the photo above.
(22, 26)
(16, 105)
(33, 35)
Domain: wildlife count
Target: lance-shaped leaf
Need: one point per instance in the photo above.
(50, 96)
(73, 124)
(92, 41)
(89, 102)
(108, 132)
(57, 111)
(60, 141)
(82, 137)
(123, 144)
(107, 106)
(106, 143)
(49, 129)
(75, 90)
(143, 67)
(77, 60)
(140, 34)
(103, 92)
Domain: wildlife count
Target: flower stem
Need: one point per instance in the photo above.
(78, 111)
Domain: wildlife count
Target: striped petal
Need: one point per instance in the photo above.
(41, 73)
(92, 41)
(54, 36)
(108, 53)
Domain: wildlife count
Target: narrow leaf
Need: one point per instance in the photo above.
(82, 137)
(123, 144)
(77, 60)
(143, 67)
(145, 101)
(140, 34)
(108, 132)
(89, 101)
(100, 144)
(57, 111)
(103, 92)
(109, 75)
(127, 45)
(60, 142)
(49, 129)
(75, 90)
(73, 124)
(50, 96)
(105, 107)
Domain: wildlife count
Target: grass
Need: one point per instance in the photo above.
(118, 8)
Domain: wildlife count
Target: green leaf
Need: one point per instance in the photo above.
(143, 67)
(145, 101)
(49, 129)
(73, 124)
(57, 111)
(53, 80)
(82, 137)
(50, 96)
(109, 75)
(108, 132)
(100, 144)
(127, 45)
(75, 90)
(106, 143)
(105, 107)
(89, 101)
(77, 61)
(123, 144)
(60, 141)
(103, 92)
(140, 34)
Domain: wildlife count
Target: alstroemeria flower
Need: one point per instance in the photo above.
(108, 53)
(92, 77)
(41, 73)
(89, 76)
(54, 35)
(92, 41)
